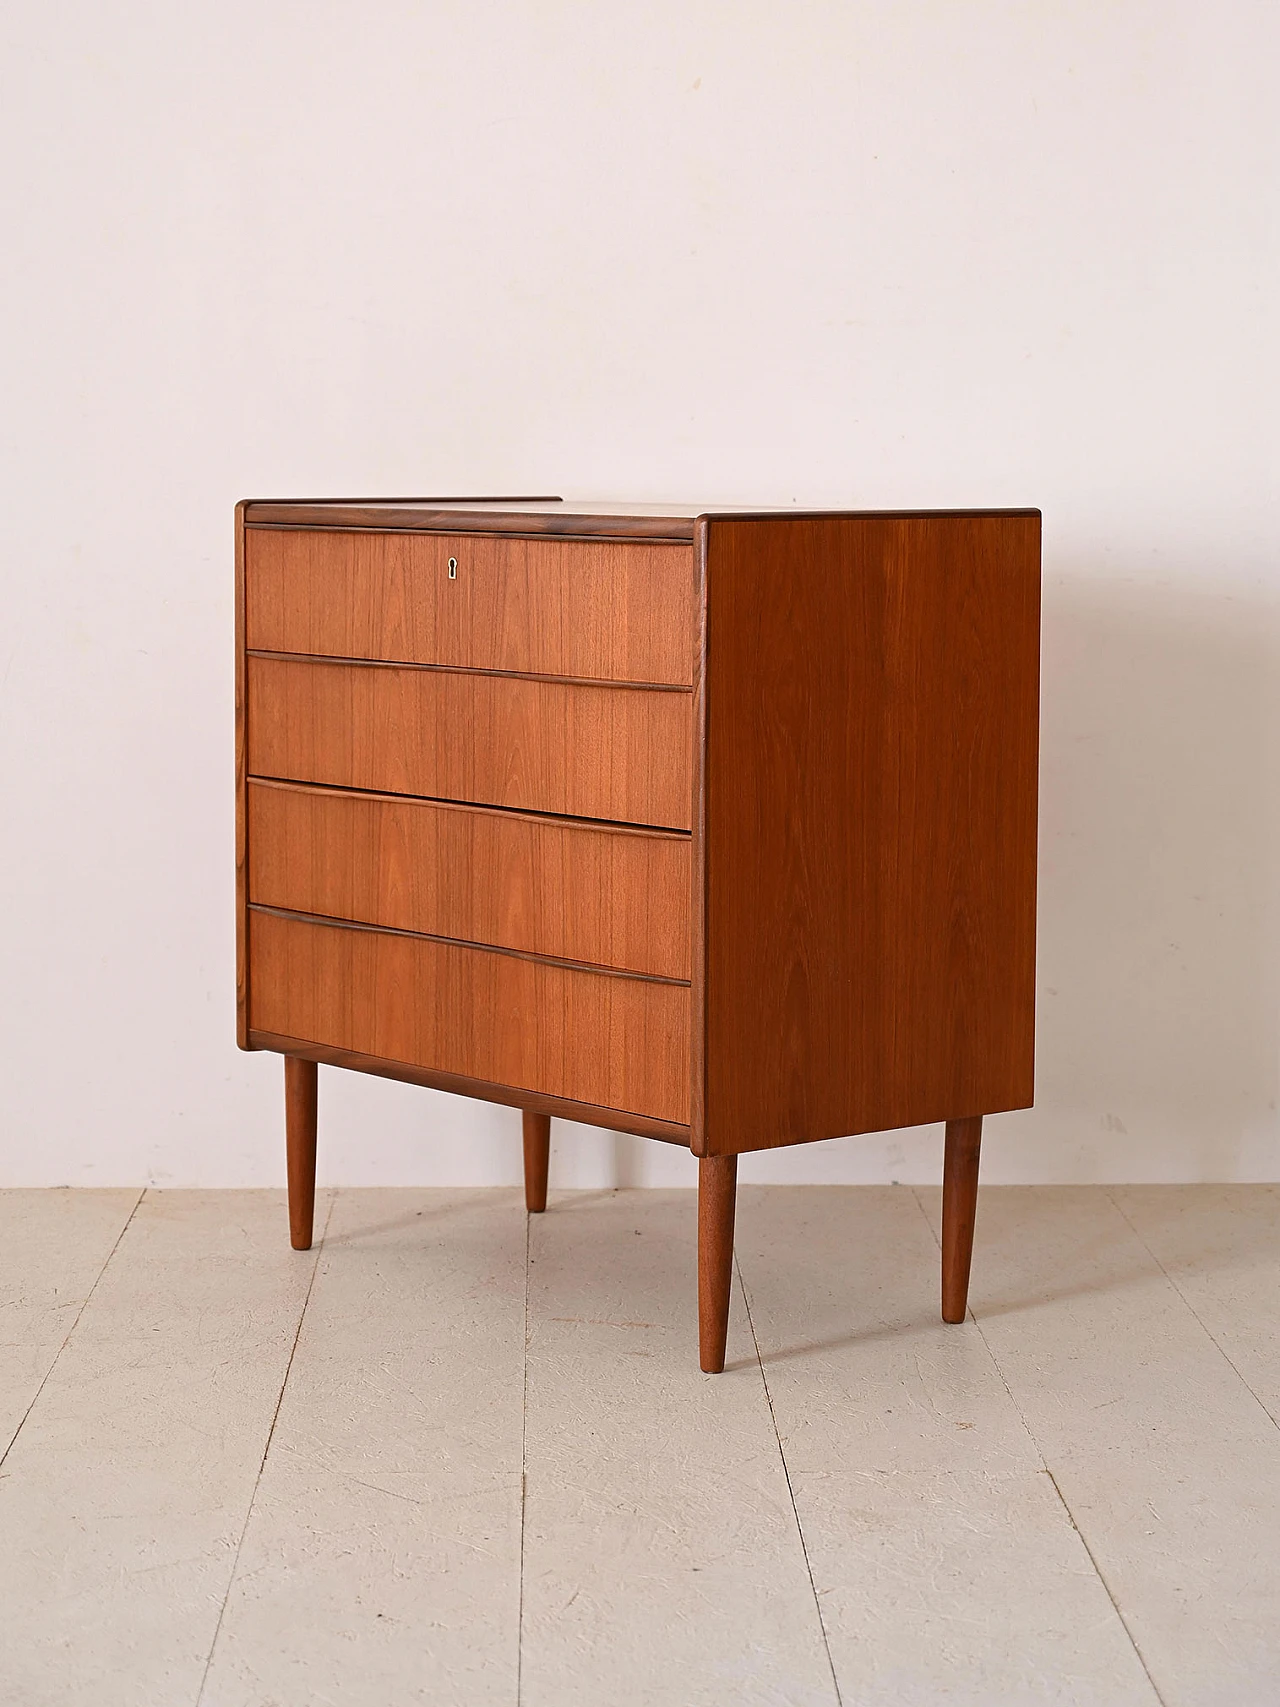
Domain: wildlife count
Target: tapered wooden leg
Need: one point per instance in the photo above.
(717, 1191)
(959, 1206)
(537, 1154)
(300, 1147)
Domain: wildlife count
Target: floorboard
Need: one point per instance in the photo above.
(1220, 1247)
(53, 1246)
(125, 1494)
(1167, 1462)
(662, 1562)
(385, 1533)
(946, 1566)
(460, 1455)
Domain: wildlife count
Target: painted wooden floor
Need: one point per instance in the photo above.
(455, 1455)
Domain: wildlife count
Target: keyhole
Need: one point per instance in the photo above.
(453, 568)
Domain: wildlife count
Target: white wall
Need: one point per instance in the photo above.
(920, 252)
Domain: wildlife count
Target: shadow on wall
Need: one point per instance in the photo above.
(1159, 1006)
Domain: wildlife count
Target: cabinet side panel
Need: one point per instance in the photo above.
(242, 814)
(870, 823)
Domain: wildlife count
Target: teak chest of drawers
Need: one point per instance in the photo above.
(711, 826)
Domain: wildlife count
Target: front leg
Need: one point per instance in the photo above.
(959, 1208)
(300, 1147)
(537, 1157)
(717, 1192)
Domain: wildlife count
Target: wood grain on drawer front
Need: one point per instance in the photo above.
(570, 748)
(593, 1037)
(606, 609)
(578, 891)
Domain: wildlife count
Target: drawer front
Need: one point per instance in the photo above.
(600, 609)
(593, 1037)
(616, 898)
(568, 748)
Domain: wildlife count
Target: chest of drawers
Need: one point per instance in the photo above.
(715, 827)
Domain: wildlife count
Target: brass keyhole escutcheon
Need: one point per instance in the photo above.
(453, 568)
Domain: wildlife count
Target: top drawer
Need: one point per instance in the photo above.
(602, 609)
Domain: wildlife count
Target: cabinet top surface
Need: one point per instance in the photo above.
(540, 515)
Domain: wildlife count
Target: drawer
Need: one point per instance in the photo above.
(601, 609)
(577, 891)
(594, 1037)
(570, 748)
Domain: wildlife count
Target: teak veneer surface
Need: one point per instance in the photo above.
(588, 1037)
(618, 611)
(572, 749)
(551, 886)
(868, 844)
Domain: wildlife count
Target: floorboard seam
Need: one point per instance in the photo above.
(66, 1338)
(1101, 1576)
(1044, 1465)
(791, 1493)
(262, 1464)
(524, 1436)
(1208, 1332)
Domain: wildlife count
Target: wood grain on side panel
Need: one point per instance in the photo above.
(552, 886)
(600, 609)
(573, 749)
(590, 1037)
(870, 824)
